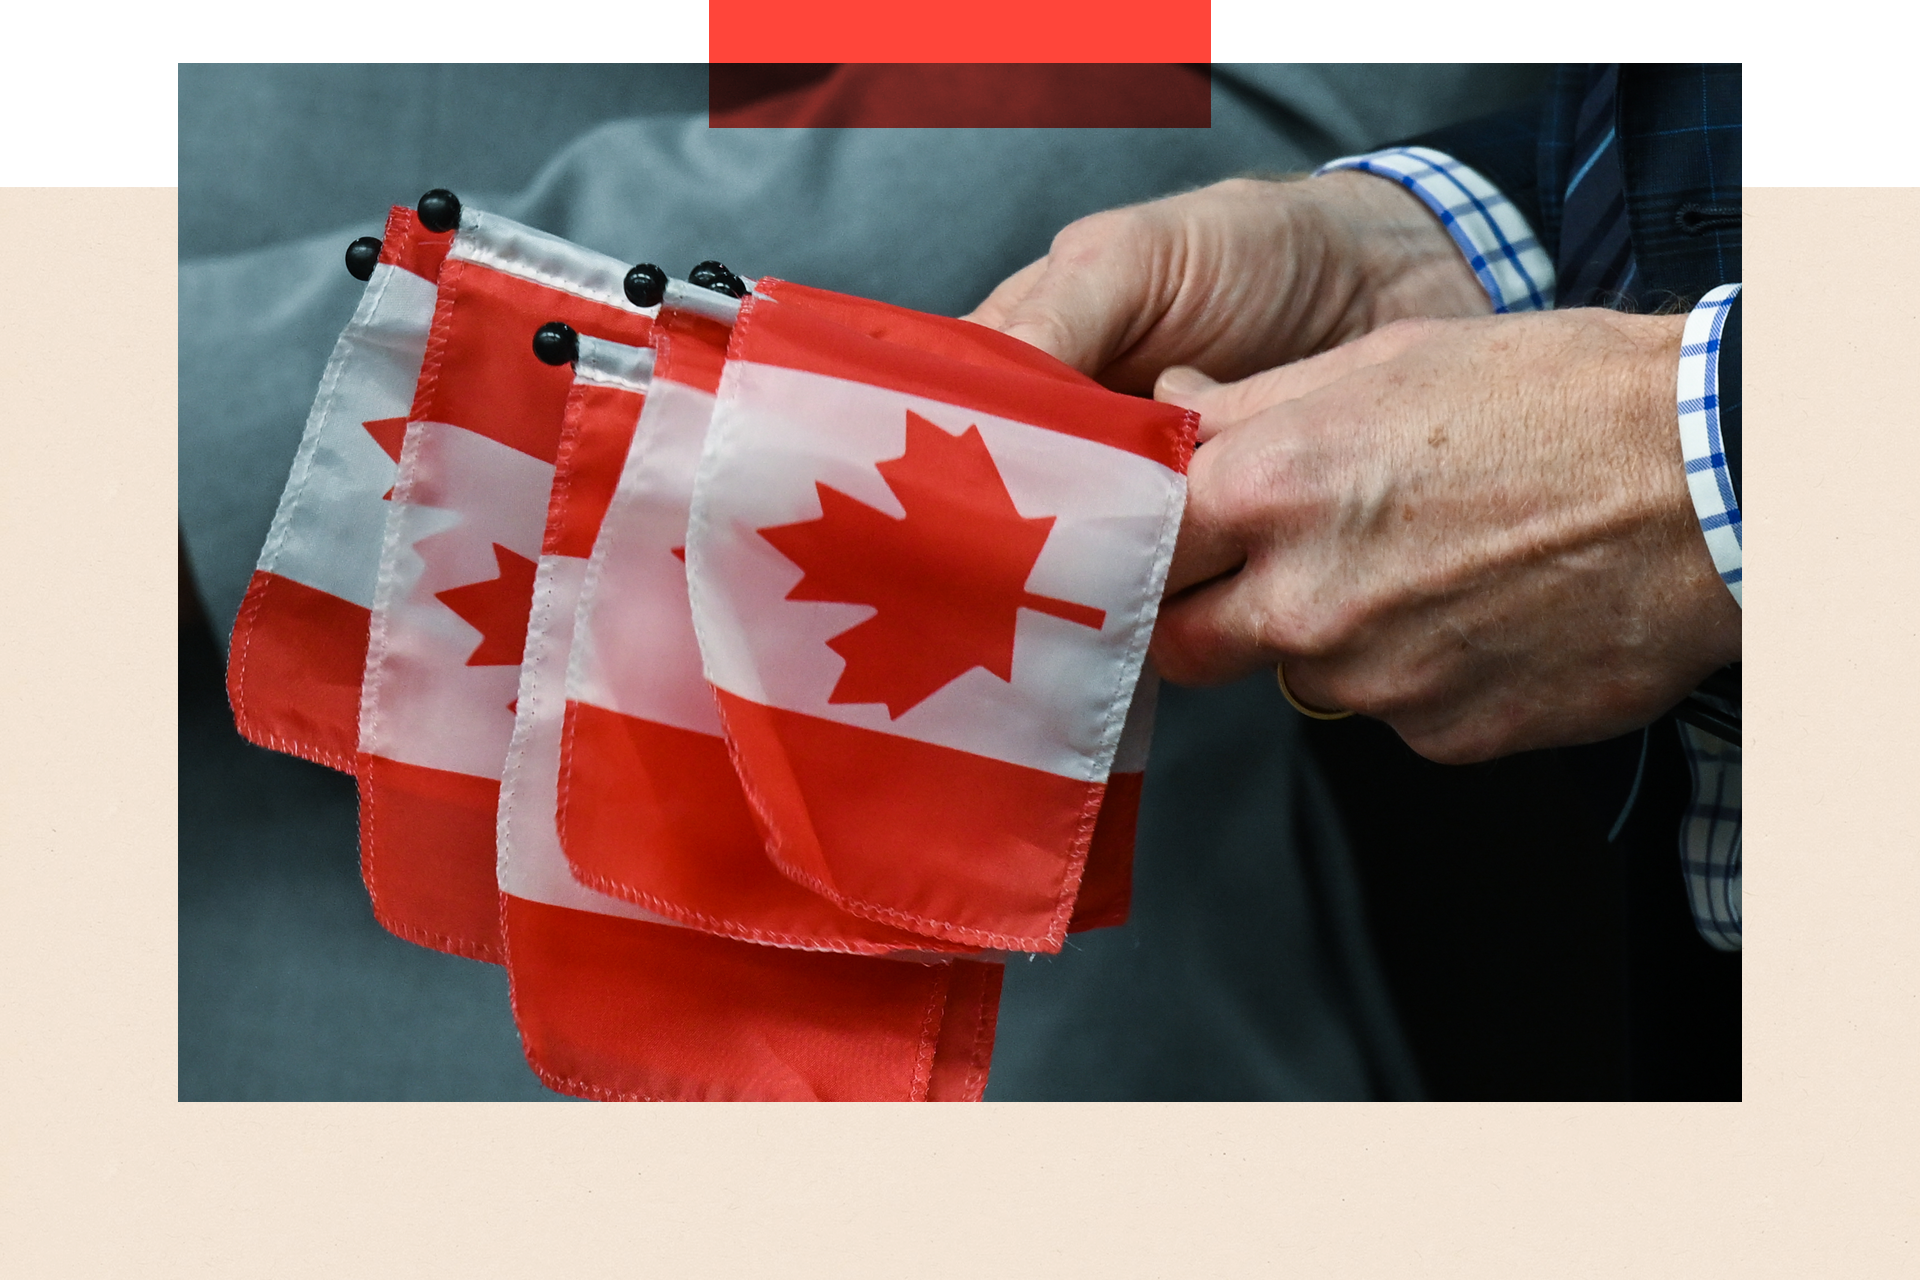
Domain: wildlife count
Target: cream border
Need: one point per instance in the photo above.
(105, 1175)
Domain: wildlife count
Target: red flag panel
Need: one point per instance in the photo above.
(980, 31)
(592, 452)
(1106, 888)
(965, 1048)
(655, 815)
(626, 1010)
(853, 808)
(438, 888)
(294, 674)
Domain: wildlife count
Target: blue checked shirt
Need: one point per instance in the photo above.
(1518, 275)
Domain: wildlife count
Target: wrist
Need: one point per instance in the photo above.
(1710, 616)
(1397, 260)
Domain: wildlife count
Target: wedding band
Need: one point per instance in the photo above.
(1280, 674)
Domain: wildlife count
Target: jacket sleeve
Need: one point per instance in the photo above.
(1730, 391)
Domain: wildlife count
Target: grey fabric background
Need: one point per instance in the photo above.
(1246, 972)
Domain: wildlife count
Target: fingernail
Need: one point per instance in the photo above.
(1182, 384)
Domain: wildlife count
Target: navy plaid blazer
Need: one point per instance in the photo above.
(1679, 138)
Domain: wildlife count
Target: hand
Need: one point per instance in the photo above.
(1240, 276)
(1478, 531)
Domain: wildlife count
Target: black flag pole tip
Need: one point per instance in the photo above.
(646, 285)
(556, 343)
(362, 256)
(439, 210)
(715, 276)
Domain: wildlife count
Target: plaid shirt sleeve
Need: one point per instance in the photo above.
(1493, 235)
(1518, 275)
(1708, 477)
(1710, 833)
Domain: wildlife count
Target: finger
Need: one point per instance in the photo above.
(1201, 554)
(994, 309)
(1089, 300)
(1189, 388)
(1222, 404)
(1225, 629)
(1232, 601)
(1307, 682)
(1207, 635)
(1208, 545)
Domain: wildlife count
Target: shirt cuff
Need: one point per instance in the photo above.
(1489, 229)
(1708, 477)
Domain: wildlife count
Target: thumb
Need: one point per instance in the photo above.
(1079, 314)
(1183, 385)
(997, 306)
(1222, 404)
(1189, 388)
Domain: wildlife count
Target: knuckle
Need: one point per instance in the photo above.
(1238, 401)
(1239, 188)
(1094, 234)
(1271, 483)
(1397, 690)
(1312, 630)
(1179, 650)
(1398, 335)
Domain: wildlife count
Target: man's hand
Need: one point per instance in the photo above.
(1478, 531)
(1240, 276)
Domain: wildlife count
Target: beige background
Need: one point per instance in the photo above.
(104, 1174)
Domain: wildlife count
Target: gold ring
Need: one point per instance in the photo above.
(1280, 674)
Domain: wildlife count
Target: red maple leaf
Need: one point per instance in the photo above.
(948, 578)
(390, 434)
(497, 608)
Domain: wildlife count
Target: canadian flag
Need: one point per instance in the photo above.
(602, 409)
(1106, 885)
(456, 573)
(650, 805)
(300, 640)
(715, 964)
(611, 1000)
(650, 808)
(923, 591)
